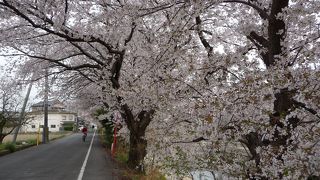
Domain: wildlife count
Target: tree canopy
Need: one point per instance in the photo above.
(225, 85)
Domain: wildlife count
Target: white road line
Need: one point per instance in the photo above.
(86, 159)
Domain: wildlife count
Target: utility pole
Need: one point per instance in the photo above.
(21, 116)
(45, 134)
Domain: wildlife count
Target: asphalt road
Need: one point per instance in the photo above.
(63, 159)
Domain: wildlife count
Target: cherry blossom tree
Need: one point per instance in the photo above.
(98, 40)
(10, 101)
(258, 114)
(228, 85)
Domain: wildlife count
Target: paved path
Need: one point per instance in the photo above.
(61, 159)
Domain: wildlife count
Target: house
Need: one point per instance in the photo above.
(59, 118)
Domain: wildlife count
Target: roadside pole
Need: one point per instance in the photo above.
(22, 113)
(38, 135)
(45, 135)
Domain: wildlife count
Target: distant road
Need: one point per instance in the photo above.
(61, 159)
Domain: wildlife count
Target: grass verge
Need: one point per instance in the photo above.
(26, 140)
(121, 158)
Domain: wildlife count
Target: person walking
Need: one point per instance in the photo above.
(85, 133)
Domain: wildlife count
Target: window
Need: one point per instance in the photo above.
(64, 117)
(53, 126)
(41, 126)
(33, 126)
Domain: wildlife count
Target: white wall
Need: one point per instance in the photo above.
(55, 122)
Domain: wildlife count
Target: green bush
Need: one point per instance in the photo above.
(108, 130)
(18, 142)
(32, 141)
(1, 147)
(107, 127)
(122, 157)
(68, 128)
(122, 151)
(10, 147)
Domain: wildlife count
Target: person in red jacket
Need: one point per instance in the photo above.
(85, 132)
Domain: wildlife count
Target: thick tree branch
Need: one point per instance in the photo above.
(129, 118)
(276, 31)
(145, 119)
(115, 71)
(128, 39)
(203, 40)
(262, 12)
(66, 33)
(263, 42)
(57, 61)
(97, 50)
(304, 106)
(86, 53)
(65, 12)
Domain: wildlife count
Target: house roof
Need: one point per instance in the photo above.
(50, 112)
(53, 103)
(54, 107)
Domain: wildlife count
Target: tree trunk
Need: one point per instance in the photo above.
(283, 103)
(137, 151)
(137, 128)
(2, 136)
(2, 124)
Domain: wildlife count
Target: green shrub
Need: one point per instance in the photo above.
(122, 157)
(122, 151)
(108, 133)
(31, 141)
(18, 142)
(1, 147)
(153, 174)
(68, 128)
(10, 147)
(107, 124)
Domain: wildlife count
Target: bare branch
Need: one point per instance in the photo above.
(304, 106)
(189, 86)
(159, 8)
(295, 57)
(57, 61)
(86, 53)
(193, 141)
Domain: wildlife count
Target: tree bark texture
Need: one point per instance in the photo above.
(137, 151)
(283, 103)
(2, 124)
(138, 143)
(2, 136)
